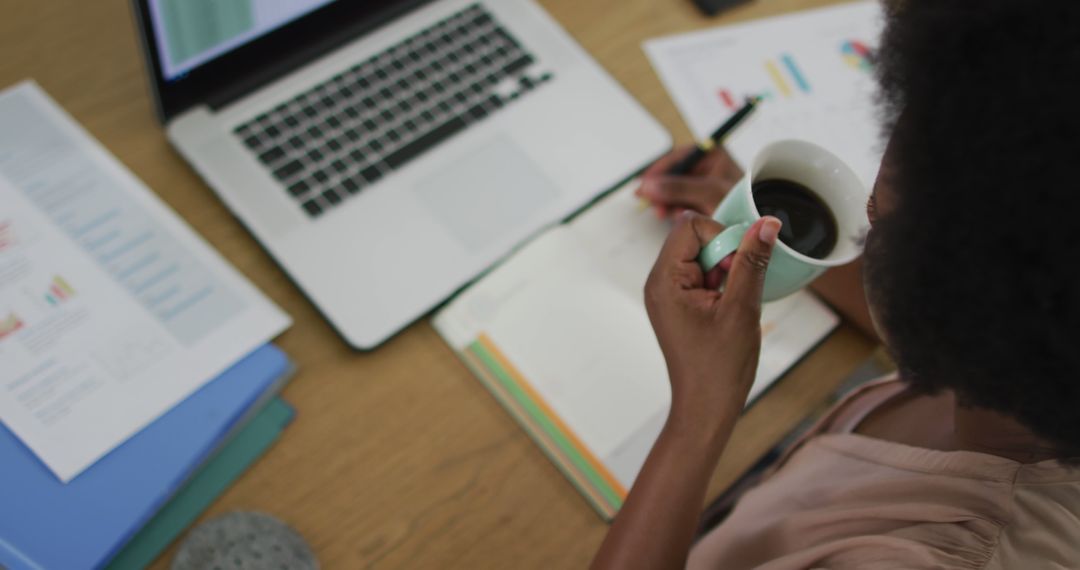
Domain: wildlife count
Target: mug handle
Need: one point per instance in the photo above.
(722, 246)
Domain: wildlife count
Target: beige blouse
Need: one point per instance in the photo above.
(841, 500)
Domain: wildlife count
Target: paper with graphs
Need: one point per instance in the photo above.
(814, 70)
(112, 310)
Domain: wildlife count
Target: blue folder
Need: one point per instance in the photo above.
(207, 485)
(45, 524)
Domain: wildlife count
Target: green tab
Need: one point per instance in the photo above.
(205, 486)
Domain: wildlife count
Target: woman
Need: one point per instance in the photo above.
(968, 458)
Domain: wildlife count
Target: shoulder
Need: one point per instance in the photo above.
(1045, 520)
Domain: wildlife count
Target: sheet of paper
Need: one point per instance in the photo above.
(814, 69)
(112, 310)
(567, 310)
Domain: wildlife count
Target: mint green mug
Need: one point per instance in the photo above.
(827, 176)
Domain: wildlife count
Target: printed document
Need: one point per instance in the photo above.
(815, 70)
(112, 310)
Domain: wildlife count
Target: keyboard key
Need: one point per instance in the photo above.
(288, 169)
(352, 135)
(296, 142)
(350, 185)
(312, 208)
(271, 155)
(425, 142)
(478, 112)
(370, 125)
(518, 64)
(357, 155)
(298, 188)
(321, 176)
(252, 141)
(371, 173)
(333, 145)
(331, 196)
(315, 155)
(339, 166)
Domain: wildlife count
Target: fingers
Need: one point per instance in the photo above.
(666, 162)
(670, 192)
(691, 232)
(747, 276)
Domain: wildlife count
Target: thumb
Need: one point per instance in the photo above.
(747, 277)
(693, 193)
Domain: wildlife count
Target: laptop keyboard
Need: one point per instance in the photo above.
(342, 136)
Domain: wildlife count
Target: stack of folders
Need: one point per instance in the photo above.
(137, 378)
(126, 508)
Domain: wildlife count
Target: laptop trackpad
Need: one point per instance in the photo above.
(487, 193)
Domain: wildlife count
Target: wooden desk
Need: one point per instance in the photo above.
(399, 457)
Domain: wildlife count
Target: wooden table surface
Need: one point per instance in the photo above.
(397, 458)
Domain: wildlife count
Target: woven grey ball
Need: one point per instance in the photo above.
(244, 541)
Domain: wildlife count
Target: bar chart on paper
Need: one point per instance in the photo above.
(813, 71)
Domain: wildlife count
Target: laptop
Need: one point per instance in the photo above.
(387, 152)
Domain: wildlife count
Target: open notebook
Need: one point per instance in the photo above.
(558, 333)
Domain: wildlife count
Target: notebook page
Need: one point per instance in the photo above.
(566, 312)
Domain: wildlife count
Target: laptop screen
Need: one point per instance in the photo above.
(210, 52)
(190, 33)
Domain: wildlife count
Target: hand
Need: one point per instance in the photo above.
(710, 340)
(701, 190)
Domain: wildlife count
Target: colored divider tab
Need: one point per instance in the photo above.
(558, 441)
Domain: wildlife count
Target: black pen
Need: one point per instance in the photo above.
(687, 164)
